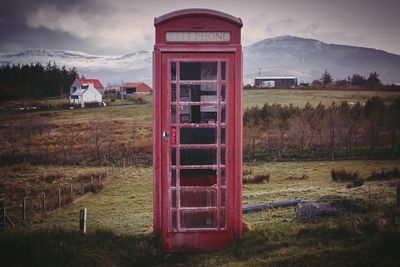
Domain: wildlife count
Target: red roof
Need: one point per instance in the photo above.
(140, 87)
(96, 83)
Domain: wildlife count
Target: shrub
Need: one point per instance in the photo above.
(258, 179)
(51, 177)
(355, 183)
(342, 175)
(384, 175)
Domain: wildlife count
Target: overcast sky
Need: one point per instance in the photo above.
(122, 26)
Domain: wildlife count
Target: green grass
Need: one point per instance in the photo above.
(120, 225)
(301, 97)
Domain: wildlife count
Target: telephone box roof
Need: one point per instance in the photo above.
(197, 12)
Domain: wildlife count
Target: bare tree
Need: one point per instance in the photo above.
(332, 119)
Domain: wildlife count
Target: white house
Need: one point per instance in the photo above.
(79, 82)
(86, 94)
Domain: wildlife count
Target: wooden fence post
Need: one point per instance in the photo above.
(59, 197)
(82, 189)
(91, 180)
(71, 190)
(44, 202)
(24, 209)
(124, 163)
(82, 220)
(3, 213)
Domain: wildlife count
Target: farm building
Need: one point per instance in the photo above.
(135, 88)
(86, 94)
(82, 82)
(275, 82)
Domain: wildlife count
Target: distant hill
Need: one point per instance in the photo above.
(134, 67)
(307, 59)
(281, 56)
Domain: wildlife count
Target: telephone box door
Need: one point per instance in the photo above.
(197, 150)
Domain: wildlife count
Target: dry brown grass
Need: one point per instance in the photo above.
(257, 179)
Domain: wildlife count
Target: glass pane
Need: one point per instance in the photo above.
(173, 219)
(223, 136)
(173, 92)
(173, 71)
(223, 177)
(198, 114)
(206, 92)
(223, 92)
(199, 198)
(223, 219)
(198, 177)
(223, 70)
(173, 114)
(223, 114)
(173, 177)
(222, 197)
(198, 70)
(185, 113)
(222, 156)
(173, 198)
(198, 135)
(173, 156)
(199, 156)
(202, 219)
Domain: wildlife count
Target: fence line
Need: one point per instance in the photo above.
(39, 205)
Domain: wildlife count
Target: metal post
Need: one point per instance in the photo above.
(59, 197)
(44, 202)
(82, 189)
(82, 220)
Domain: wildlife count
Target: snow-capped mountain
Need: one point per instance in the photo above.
(109, 69)
(306, 59)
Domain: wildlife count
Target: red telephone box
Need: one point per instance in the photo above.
(197, 130)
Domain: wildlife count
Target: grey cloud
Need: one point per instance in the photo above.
(18, 10)
(17, 36)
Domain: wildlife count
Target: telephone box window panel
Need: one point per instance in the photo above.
(196, 156)
(198, 135)
(192, 71)
(198, 92)
(198, 177)
(199, 198)
(199, 219)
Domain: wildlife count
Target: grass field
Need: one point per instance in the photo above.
(120, 216)
(120, 224)
(314, 97)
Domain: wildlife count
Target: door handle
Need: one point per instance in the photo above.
(165, 136)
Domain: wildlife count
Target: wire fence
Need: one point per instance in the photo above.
(38, 206)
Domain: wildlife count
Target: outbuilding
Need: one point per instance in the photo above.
(136, 89)
(275, 82)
